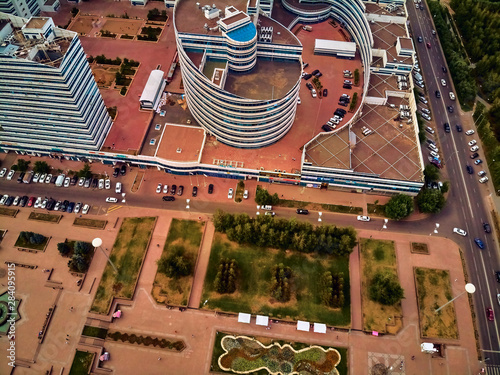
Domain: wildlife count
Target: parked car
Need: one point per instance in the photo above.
(41, 180)
(24, 201)
(67, 182)
(165, 189)
(107, 184)
(16, 200)
(87, 182)
(469, 132)
(180, 190)
(270, 213)
(230, 194)
(38, 202)
(20, 178)
(77, 207)
(173, 189)
(111, 200)
(31, 201)
(3, 172)
(472, 143)
(474, 148)
(85, 209)
(168, 198)
(116, 172)
(57, 206)
(118, 188)
(483, 180)
(158, 188)
(302, 211)
(101, 183)
(74, 180)
(70, 208)
(81, 181)
(210, 189)
(123, 170)
(245, 194)
(478, 161)
(11, 175)
(363, 218)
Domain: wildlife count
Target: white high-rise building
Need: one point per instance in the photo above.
(28, 8)
(49, 101)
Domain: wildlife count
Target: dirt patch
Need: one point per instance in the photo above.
(83, 25)
(104, 75)
(122, 26)
(419, 248)
(433, 291)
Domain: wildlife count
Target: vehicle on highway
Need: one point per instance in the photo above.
(444, 69)
(111, 200)
(497, 274)
(479, 243)
(168, 198)
(180, 190)
(118, 188)
(478, 161)
(428, 45)
(443, 83)
(481, 173)
(11, 174)
(325, 92)
(230, 194)
(77, 207)
(460, 232)
(158, 188)
(498, 298)
(474, 148)
(450, 108)
(452, 96)
(195, 191)
(489, 314)
(487, 228)
(437, 93)
(302, 211)
(483, 180)
(420, 39)
(459, 128)
(173, 189)
(165, 189)
(67, 181)
(210, 189)
(4, 199)
(3, 172)
(363, 218)
(85, 209)
(472, 143)
(469, 132)
(446, 127)
(101, 183)
(470, 170)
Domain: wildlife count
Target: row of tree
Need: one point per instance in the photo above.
(32, 238)
(280, 283)
(225, 280)
(263, 197)
(332, 289)
(265, 231)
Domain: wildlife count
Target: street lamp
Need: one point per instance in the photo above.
(97, 242)
(123, 196)
(469, 288)
(258, 207)
(435, 229)
(385, 224)
(319, 218)
(187, 203)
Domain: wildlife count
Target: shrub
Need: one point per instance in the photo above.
(385, 289)
(225, 280)
(399, 207)
(263, 197)
(37, 238)
(82, 247)
(123, 91)
(280, 282)
(63, 248)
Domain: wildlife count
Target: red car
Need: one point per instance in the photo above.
(428, 45)
(489, 314)
(31, 201)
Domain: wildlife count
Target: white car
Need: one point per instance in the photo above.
(426, 116)
(44, 203)
(165, 189)
(4, 199)
(363, 218)
(41, 180)
(443, 83)
(16, 200)
(472, 143)
(452, 96)
(484, 179)
(469, 132)
(434, 154)
(118, 188)
(48, 178)
(77, 207)
(11, 174)
(38, 202)
(481, 173)
(230, 194)
(111, 200)
(67, 181)
(57, 206)
(426, 111)
(158, 188)
(101, 183)
(3, 172)
(85, 209)
(81, 181)
(459, 231)
(298, 101)
(245, 194)
(107, 184)
(474, 148)
(36, 177)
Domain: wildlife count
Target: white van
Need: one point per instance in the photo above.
(267, 207)
(60, 180)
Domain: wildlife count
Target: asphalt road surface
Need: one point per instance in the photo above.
(466, 207)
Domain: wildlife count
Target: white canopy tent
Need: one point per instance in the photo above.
(244, 318)
(319, 328)
(303, 326)
(262, 320)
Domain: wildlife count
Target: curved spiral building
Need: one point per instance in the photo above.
(241, 71)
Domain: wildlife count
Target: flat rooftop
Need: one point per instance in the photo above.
(385, 36)
(36, 22)
(380, 84)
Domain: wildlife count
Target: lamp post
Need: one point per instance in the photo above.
(123, 196)
(469, 288)
(385, 224)
(319, 218)
(187, 204)
(435, 229)
(97, 242)
(258, 212)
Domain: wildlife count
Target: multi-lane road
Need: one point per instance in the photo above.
(467, 206)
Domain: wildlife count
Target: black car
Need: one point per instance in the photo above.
(326, 128)
(74, 180)
(20, 178)
(53, 179)
(446, 127)
(438, 94)
(487, 227)
(180, 190)
(309, 86)
(9, 200)
(195, 191)
(474, 155)
(301, 211)
(168, 198)
(314, 72)
(210, 189)
(50, 204)
(307, 76)
(71, 205)
(470, 170)
(116, 172)
(23, 201)
(173, 189)
(444, 69)
(319, 74)
(95, 181)
(497, 273)
(325, 92)
(347, 86)
(64, 206)
(459, 128)
(420, 39)
(450, 108)
(343, 111)
(123, 169)
(344, 104)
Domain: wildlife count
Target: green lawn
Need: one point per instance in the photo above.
(127, 255)
(81, 363)
(45, 217)
(20, 242)
(94, 332)
(253, 288)
(185, 233)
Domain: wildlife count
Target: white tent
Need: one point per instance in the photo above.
(319, 328)
(244, 318)
(303, 326)
(262, 320)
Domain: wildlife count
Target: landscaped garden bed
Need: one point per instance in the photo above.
(174, 277)
(90, 331)
(379, 269)
(132, 338)
(12, 212)
(30, 240)
(80, 254)
(259, 355)
(90, 223)
(82, 363)
(433, 291)
(127, 255)
(45, 217)
(419, 248)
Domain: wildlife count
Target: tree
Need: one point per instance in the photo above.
(82, 247)
(63, 248)
(41, 167)
(385, 289)
(37, 238)
(430, 200)
(399, 207)
(79, 263)
(22, 165)
(431, 172)
(225, 280)
(280, 282)
(175, 265)
(85, 171)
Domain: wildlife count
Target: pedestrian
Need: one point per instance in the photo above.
(159, 358)
(412, 357)
(71, 309)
